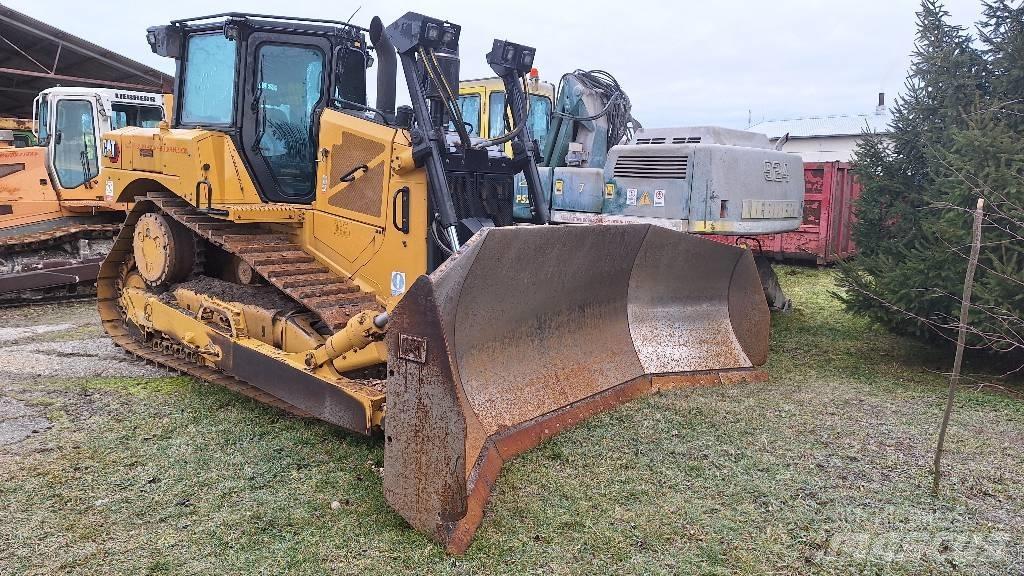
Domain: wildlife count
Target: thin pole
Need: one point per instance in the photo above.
(965, 307)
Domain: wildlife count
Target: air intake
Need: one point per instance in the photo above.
(686, 140)
(651, 167)
(650, 140)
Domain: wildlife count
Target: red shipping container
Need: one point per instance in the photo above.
(830, 189)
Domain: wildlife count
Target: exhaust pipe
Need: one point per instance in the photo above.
(387, 67)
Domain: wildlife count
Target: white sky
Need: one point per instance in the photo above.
(682, 63)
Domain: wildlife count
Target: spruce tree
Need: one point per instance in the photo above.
(956, 134)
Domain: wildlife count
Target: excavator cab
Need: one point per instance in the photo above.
(69, 122)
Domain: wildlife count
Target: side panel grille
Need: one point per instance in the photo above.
(650, 140)
(651, 167)
(686, 140)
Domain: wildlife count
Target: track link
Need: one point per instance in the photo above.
(274, 256)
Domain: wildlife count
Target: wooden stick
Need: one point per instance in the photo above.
(965, 307)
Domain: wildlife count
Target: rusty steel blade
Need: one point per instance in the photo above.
(529, 330)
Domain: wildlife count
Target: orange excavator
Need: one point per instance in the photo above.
(56, 221)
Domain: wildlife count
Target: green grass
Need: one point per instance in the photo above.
(822, 470)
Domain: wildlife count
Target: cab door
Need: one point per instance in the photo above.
(284, 96)
(72, 157)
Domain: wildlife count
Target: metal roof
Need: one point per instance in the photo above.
(818, 126)
(35, 56)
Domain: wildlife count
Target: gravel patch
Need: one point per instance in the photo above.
(89, 358)
(22, 332)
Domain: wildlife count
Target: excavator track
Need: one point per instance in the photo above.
(334, 299)
(58, 278)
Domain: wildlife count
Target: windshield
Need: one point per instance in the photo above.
(209, 83)
(133, 115)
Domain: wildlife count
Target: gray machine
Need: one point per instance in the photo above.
(700, 180)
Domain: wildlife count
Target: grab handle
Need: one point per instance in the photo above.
(404, 193)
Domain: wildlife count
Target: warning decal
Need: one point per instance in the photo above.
(631, 196)
(558, 186)
(659, 197)
(645, 200)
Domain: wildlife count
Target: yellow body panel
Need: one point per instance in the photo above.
(347, 225)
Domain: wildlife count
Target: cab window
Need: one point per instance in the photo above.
(133, 115)
(209, 83)
(539, 118)
(469, 105)
(43, 117)
(350, 91)
(495, 114)
(74, 143)
(291, 80)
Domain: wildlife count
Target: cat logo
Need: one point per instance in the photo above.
(645, 199)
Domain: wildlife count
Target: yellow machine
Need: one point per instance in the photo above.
(56, 221)
(361, 264)
(483, 107)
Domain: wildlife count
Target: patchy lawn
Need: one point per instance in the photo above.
(825, 470)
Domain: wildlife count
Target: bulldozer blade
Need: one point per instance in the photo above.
(526, 331)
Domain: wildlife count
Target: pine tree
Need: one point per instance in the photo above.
(956, 134)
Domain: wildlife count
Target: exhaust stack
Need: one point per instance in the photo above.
(387, 67)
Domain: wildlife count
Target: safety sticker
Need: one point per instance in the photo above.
(558, 186)
(397, 283)
(645, 200)
(609, 190)
(659, 197)
(323, 183)
(631, 196)
(108, 191)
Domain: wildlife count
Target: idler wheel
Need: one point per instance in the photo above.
(165, 251)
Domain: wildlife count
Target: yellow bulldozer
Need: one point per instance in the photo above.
(361, 264)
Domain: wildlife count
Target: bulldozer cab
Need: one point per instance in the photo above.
(265, 84)
(68, 123)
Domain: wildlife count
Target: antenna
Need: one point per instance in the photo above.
(354, 14)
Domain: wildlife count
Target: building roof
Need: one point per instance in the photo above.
(35, 56)
(818, 126)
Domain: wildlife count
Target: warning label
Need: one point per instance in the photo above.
(631, 196)
(645, 200)
(659, 197)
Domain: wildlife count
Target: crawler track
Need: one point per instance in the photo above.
(60, 278)
(332, 298)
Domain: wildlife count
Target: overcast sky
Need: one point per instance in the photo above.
(682, 63)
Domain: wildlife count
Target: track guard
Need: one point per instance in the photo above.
(528, 331)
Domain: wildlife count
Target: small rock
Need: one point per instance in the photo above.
(335, 505)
